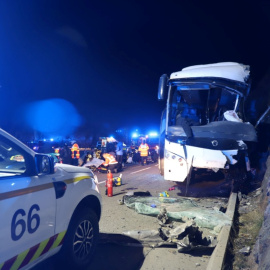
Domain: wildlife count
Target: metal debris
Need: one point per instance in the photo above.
(185, 237)
(162, 216)
(245, 250)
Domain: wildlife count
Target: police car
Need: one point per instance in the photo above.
(46, 208)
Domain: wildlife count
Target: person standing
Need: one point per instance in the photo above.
(143, 149)
(119, 155)
(65, 154)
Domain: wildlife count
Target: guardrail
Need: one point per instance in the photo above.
(217, 258)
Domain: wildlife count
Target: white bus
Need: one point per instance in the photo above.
(203, 125)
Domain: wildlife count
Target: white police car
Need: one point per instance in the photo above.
(45, 208)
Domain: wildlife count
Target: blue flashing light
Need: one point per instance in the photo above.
(153, 134)
(135, 135)
(44, 140)
(51, 139)
(52, 116)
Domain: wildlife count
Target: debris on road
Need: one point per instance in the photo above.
(121, 202)
(185, 237)
(138, 193)
(164, 194)
(245, 250)
(162, 216)
(180, 209)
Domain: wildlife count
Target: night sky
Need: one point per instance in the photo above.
(106, 57)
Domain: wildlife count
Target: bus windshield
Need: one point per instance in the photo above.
(199, 107)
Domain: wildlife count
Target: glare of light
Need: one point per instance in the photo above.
(13, 184)
(52, 117)
(111, 139)
(44, 140)
(51, 139)
(153, 134)
(135, 135)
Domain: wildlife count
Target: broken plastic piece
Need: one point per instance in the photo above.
(164, 194)
(162, 216)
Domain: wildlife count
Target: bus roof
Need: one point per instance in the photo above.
(228, 70)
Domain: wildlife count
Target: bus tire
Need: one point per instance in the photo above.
(161, 165)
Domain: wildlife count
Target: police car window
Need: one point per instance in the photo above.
(12, 162)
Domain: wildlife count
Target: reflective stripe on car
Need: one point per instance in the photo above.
(76, 179)
(20, 192)
(33, 253)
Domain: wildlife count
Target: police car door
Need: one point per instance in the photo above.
(27, 204)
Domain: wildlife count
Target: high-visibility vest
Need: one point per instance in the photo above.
(109, 160)
(143, 149)
(74, 148)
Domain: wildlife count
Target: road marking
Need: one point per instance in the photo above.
(141, 170)
(101, 182)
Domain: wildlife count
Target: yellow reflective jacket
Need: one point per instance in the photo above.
(143, 149)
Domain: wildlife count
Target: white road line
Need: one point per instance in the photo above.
(141, 170)
(102, 182)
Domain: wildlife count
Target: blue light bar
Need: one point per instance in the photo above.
(153, 134)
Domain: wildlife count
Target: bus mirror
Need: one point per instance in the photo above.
(162, 86)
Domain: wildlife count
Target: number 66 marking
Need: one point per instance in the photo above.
(18, 227)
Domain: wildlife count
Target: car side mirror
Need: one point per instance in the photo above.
(44, 164)
(162, 86)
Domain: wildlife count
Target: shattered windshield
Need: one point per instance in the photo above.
(199, 107)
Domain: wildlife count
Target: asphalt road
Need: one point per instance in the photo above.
(117, 219)
(116, 251)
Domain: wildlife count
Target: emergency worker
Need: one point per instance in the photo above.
(119, 155)
(88, 157)
(143, 149)
(110, 162)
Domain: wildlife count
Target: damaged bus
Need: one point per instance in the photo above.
(203, 125)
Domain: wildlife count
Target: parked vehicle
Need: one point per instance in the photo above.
(46, 208)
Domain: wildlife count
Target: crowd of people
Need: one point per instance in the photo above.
(114, 159)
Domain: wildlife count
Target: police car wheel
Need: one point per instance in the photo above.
(81, 239)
